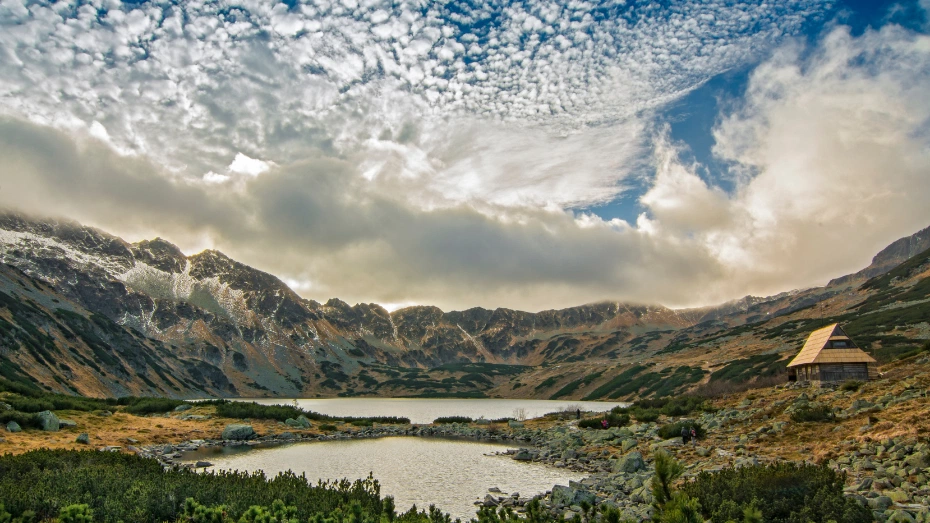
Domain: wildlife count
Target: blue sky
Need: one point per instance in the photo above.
(533, 154)
(692, 117)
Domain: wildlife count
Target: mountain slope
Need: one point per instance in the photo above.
(216, 326)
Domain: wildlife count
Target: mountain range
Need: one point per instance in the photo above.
(84, 312)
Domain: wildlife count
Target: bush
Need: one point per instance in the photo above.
(145, 406)
(782, 492)
(118, 486)
(613, 420)
(673, 430)
(78, 513)
(328, 427)
(816, 413)
(25, 420)
(452, 419)
(645, 415)
(851, 385)
(252, 410)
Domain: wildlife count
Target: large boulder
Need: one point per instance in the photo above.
(12, 426)
(238, 431)
(632, 462)
(82, 438)
(304, 422)
(48, 421)
(523, 455)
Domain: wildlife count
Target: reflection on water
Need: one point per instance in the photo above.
(451, 474)
(421, 410)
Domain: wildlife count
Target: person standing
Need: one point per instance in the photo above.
(693, 437)
(684, 435)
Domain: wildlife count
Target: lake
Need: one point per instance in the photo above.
(421, 410)
(449, 473)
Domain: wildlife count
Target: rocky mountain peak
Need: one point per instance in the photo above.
(160, 254)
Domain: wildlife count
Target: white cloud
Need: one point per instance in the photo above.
(242, 164)
(830, 152)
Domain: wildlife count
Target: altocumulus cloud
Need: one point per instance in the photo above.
(425, 153)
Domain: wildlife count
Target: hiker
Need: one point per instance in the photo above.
(693, 437)
(604, 423)
(578, 414)
(684, 435)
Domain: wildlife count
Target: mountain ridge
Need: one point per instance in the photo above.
(266, 339)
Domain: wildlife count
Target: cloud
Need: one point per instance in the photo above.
(395, 154)
(830, 154)
(193, 84)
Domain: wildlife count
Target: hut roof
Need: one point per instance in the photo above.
(816, 349)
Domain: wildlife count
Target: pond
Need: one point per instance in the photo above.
(450, 473)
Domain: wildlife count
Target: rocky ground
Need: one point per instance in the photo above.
(878, 437)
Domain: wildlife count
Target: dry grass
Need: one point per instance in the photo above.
(115, 429)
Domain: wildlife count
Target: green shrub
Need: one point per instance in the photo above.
(453, 419)
(645, 415)
(152, 406)
(25, 420)
(613, 420)
(783, 492)
(816, 413)
(328, 427)
(252, 410)
(125, 487)
(851, 385)
(362, 423)
(673, 430)
(77, 513)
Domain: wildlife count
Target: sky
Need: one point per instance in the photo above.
(531, 155)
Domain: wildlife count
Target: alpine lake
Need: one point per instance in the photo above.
(450, 473)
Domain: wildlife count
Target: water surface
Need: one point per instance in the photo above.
(449, 473)
(421, 410)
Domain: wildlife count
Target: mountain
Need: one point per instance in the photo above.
(155, 321)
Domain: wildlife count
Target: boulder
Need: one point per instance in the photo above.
(203, 464)
(291, 422)
(627, 444)
(523, 455)
(48, 421)
(66, 424)
(514, 424)
(900, 516)
(880, 503)
(13, 427)
(287, 435)
(563, 496)
(632, 462)
(238, 431)
(83, 438)
(304, 422)
(183, 407)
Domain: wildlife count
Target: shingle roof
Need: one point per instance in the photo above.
(814, 351)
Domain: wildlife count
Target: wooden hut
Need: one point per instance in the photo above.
(829, 355)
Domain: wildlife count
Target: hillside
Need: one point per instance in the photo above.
(86, 312)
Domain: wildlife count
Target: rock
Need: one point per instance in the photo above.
(83, 438)
(703, 452)
(563, 496)
(203, 464)
(291, 422)
(5, 406)
(919, 460)
(304, 422)
(628, 444)
(490, 501)
(515, 424)
(194, 417)
(570, 454)
(48, 421)
(880, 503)
(183, 407)
(66, 423)
(523, 455)
(900, 516)
(632, 462)
(13, 427)
(287, 435)
(495, 490)
(238, 431)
